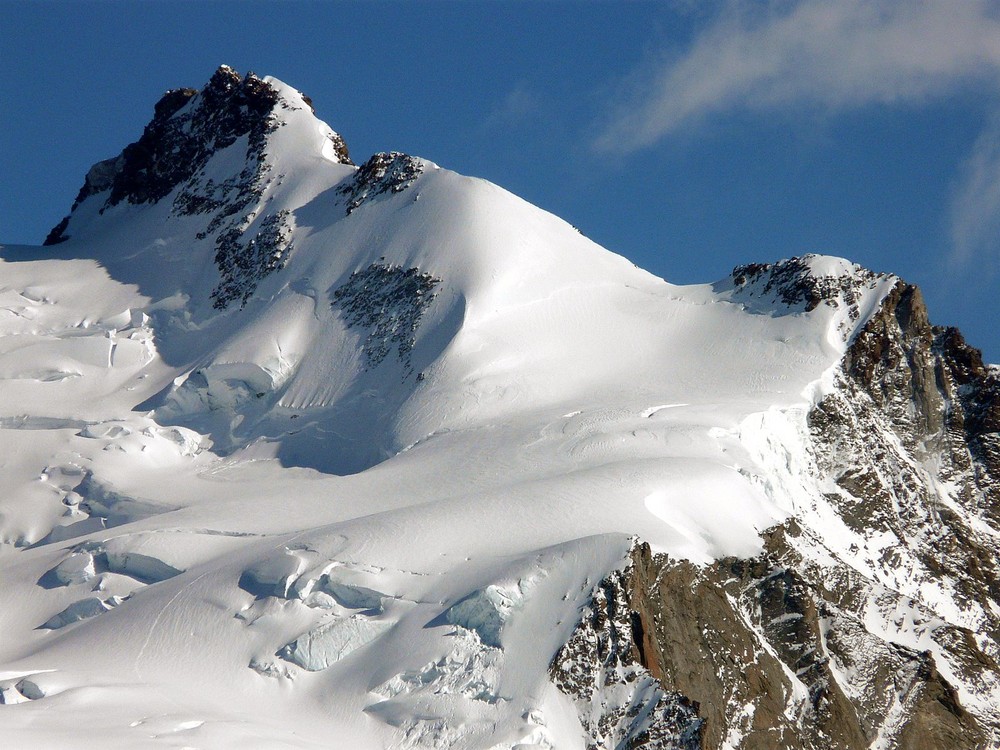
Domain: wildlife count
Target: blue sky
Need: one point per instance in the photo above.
(688, 136)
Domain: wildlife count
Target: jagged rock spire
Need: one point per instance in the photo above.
(187, 129)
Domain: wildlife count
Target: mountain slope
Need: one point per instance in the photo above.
(302, 450)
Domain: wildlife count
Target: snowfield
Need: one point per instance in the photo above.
(364, 503)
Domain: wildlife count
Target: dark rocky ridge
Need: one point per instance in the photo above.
(180, 139)
(801, 285)
(794, 284)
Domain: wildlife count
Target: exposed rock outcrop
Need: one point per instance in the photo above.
(801, 284)
(910, 438)
(612, 669)
(179, 141)
(768, 652)
(388, 302)
(390, 172)
(243, 265)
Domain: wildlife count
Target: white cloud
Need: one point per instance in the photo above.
(837, 55)
(520, 104)
(975, 205)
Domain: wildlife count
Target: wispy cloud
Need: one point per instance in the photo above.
(834, 55)
(975, 205)
(784, 55)
(519, 104)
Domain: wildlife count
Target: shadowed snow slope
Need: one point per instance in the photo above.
(299, 449)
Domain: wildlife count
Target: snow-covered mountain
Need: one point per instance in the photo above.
(304, 454)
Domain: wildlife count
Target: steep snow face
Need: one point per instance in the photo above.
(298, 449)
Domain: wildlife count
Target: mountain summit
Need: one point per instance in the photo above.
(188, 130)
(301, 450)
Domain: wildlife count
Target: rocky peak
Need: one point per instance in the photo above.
(174, 163)
(802, 284)
(187, 129)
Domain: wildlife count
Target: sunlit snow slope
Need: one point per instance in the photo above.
(301, 454)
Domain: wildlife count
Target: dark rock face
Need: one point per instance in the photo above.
(389, 302)
(770, 652)
(390, 172)
(610, 668)
(794, 284)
